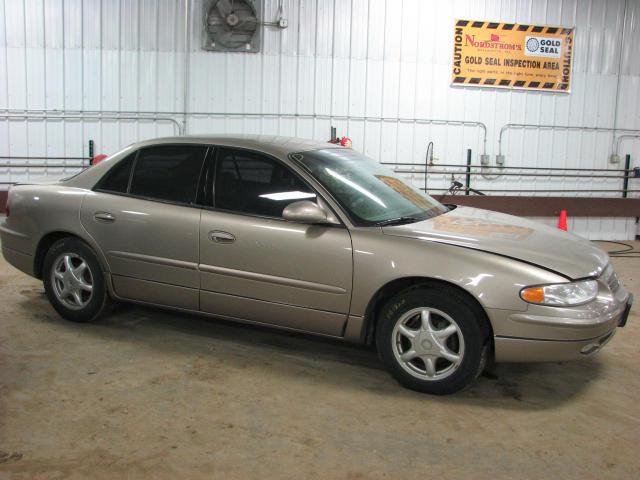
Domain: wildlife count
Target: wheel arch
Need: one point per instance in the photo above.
(48, 240)
(392, 288)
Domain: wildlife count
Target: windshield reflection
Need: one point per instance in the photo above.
(355, 186)
(369, 193)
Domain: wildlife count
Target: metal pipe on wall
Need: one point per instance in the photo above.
(619, 73)
(541, 191)
(468, 173)
(187, 61)
(619, 140)
(568, 169)
(167, 116)
(508, 126)
(57, 115)
(38, 165)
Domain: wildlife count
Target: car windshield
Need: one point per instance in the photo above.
(370, 193)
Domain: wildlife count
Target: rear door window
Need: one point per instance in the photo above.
(169, 172)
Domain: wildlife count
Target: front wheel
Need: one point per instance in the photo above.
(432, 340)
(74, 281)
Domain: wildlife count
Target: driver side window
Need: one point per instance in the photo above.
(250, 183)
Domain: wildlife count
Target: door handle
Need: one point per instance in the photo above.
(104, 217)
(221, 237)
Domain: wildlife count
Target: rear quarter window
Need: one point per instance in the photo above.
(117, 178)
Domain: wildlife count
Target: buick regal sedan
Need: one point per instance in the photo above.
(316, 238)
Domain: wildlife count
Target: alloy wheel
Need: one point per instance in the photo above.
(428, 343)
(72, 281)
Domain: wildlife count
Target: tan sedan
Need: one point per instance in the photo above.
(317, 238)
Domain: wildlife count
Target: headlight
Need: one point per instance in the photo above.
(561, 294)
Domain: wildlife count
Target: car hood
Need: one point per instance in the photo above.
(510, 236)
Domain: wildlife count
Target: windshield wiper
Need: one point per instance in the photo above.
(396, 221)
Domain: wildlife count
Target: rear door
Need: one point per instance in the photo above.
(257, 266)
(144, 217)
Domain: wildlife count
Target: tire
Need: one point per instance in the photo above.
(439, 354)
(88, 282)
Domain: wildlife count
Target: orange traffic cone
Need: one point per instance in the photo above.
(562, 220)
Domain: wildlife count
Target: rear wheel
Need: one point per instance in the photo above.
(74, 281)
(432, 339)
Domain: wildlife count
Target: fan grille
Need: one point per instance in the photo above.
(231, 26)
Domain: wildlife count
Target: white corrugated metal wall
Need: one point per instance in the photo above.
(369, 67)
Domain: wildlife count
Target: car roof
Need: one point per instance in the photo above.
(271, 144)
(277, 146)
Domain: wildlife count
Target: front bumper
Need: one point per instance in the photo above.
(544, 334)
(526, 350)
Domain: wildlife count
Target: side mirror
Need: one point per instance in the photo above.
(305, 211)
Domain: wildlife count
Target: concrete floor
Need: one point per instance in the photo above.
(146, 393)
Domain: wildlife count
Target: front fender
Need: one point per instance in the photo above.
(495, 281)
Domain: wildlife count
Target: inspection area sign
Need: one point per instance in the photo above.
(510, 55)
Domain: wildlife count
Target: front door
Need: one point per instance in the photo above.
(143, 217)
(257, 266)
